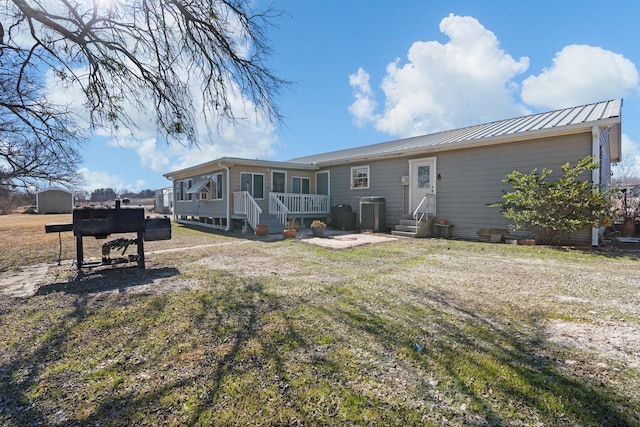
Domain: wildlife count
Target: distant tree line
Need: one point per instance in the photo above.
(106, 194)
(12, 198)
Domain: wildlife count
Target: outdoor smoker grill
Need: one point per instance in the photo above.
(100, 222)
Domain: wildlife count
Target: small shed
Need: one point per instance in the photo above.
(54, 200)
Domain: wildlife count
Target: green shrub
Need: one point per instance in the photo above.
(553, 210)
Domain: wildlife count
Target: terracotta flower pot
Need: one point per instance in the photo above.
(289, 234)
(262, 229)
(443, 222)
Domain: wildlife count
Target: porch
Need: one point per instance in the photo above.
(281, 207)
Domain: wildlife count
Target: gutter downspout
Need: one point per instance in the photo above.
(228, 187)
(595, 174)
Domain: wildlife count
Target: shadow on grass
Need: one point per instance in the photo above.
(231, 351)
(153, 359)
(19, 378)
(108, 279)
(227, 319)
(499, 373)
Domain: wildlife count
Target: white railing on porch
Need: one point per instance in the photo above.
(303, 204)
(277, 208)
(426, 207)
(244, 204)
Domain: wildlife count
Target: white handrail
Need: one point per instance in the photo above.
(244, 204)
(429, 201)
(277, 208)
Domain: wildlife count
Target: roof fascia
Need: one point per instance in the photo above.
(225, 162)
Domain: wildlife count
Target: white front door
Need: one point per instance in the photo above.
(422, 183)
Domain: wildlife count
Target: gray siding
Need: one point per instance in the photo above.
(471, 179)
(217, 208)
(384, 181)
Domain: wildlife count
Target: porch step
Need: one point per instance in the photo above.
(407, 227)
(274, 225)
(401, 233)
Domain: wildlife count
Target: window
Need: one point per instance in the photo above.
(360, 177)
(278, 182)
(424, 176)
(301, 185)
(181, 190)
(253, 183)
(208, 187)
(216, 186)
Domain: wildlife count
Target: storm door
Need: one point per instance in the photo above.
(422, 184)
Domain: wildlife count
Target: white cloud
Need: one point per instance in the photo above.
(467, 80)
(363, 108)
(629, 147)
(581, 74)
(100, 179)
(151, 157)
(251, 137)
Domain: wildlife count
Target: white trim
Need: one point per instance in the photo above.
(368, 168)
(253, 192)
(285, 180)
(227, 190)
(595, 174)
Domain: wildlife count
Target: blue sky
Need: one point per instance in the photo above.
(364, 72)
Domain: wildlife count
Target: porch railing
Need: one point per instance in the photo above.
(244, 204)
(427, 206)
(277, 208)
(304, 204)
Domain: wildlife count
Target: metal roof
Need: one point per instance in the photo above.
(564, 121)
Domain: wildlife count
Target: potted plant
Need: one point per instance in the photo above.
(291, 229)
(317, 228)
(262, 229)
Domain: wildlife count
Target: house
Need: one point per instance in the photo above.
(219, 192)
(453, 174)
(54, 200)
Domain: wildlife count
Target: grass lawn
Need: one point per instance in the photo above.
(248, 332)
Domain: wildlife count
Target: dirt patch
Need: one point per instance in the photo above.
(612, 340)
(343, 241)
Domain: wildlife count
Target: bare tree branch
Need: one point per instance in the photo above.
(128, 52)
